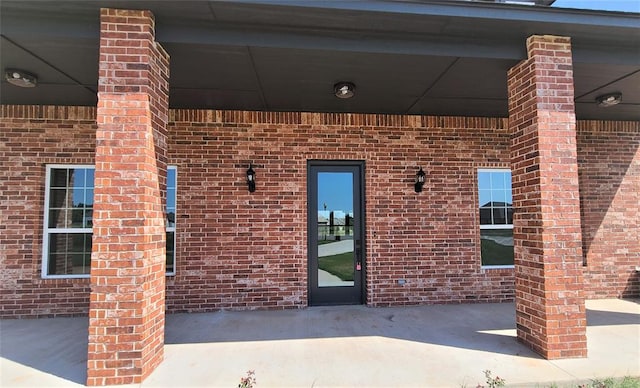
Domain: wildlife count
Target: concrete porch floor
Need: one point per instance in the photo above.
(347, 346)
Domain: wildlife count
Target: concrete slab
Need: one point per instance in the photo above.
(347, 346)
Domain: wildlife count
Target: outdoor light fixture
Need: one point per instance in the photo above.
(20, 78)
(609, 99)
(251, 179)
(344, 89)
(420, 178)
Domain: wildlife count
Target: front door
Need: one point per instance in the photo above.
(336, 232)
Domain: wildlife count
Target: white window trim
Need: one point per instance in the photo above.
(46, 228)
(497, 267)
(505, 226)
(495, 227)
(505, 169)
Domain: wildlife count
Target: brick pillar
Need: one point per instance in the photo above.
(126, 316)
(550, 310)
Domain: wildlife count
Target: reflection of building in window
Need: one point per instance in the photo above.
(496, 217)
(334, 225)
(68, 220)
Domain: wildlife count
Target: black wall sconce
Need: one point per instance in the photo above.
(251, 179)
(420, 178)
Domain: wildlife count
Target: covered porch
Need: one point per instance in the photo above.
(454, 87)
(435, 346)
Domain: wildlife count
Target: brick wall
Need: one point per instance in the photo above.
(609, 157)
(434, 232)
(248, 250)
(31, 138)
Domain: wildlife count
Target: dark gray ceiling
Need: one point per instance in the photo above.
(407, 57)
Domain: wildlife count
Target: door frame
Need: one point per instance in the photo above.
(359, 200)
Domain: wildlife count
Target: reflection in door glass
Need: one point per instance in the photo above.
(335, 229)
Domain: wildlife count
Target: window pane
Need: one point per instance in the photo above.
(77, 218)
(499, 180)
(510, 216)
(485, 216)
(58, 177)
(66, 218)
(171, 178)
(76, 178)
(170, 252)
(88, 198)
(60, 218)
(499, 216)
(78, 183)
(171, 218)
(69, 253)
(88, 218)
(498, 197)
(89, 181)
(171, 198)
(496, 246)
(484, 198)
(57, 265)
(335, 202)
(484, 180)
(57, 198)
(85, 268)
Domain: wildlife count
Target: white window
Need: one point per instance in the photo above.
(68, 221)
(496, 217)
(170, 212)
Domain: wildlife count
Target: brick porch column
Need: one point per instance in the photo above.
(550, 310)
(126, 315)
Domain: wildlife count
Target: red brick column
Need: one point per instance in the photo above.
(126, 316)
(550, 310)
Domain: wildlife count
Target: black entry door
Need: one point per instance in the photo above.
(336, 232)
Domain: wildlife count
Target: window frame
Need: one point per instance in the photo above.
(47, 231)
(172, 228)
(491, 226)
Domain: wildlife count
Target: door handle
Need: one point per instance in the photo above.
(358, 252)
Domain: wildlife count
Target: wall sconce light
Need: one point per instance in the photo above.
(344, 89)
(420, 178)
(20, 78)
(251, 179)
(610, 99)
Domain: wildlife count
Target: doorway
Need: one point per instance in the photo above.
(336, 232)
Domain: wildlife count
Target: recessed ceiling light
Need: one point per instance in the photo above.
(344, 89)
(609, 99)
(20, 78)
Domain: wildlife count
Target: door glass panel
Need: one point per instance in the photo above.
(335, 229)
